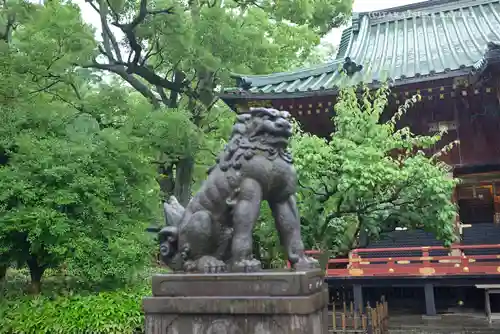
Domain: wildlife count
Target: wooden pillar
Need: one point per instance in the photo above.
(458, 225)
(358, 297)
(496, 204)
(487, 305)
(455, 198)
(430, 302)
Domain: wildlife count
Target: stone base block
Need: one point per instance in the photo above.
(275, 302)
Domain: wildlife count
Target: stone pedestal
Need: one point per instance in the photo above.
(273, 302)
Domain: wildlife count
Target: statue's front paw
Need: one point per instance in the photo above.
(246, 266)
(306, 263)
(210, 264)
(190, 266)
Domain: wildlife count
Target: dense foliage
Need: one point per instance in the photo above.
(370, 178)
(62, 309)
(73, 193)
(78, 182)
(180, 54)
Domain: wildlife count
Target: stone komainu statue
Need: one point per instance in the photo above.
(214, 232)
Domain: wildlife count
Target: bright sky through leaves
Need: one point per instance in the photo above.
(92, 17)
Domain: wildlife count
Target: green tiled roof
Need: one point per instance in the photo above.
(418, 42)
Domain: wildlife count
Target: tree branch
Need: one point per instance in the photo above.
(211, 105)
(43, 89)
(163, 96)
(150, 76)
(129, 28)
(391, 199)
(56, 80)
(314, 191)
(107, 36)
(135, 64)
(10, 25)
(133, 81)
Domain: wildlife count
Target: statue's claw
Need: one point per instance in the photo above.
(246, 266)
(190, 266)
(209, 264)
(306, 263)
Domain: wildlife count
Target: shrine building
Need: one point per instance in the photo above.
(448, 51)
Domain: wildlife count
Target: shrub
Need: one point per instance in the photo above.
(68, 312)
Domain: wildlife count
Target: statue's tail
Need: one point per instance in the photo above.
(173, 211)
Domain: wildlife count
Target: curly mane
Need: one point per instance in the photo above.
(246, 139)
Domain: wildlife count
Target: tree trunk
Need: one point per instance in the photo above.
(36, 273)
(183, 180)
(166, 180)
(3, 272)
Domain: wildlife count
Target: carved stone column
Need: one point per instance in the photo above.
(272, 302)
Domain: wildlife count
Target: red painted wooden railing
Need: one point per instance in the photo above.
(423, 265)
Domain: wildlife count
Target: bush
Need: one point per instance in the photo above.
(106, 312)
(67, 312)
(74, 193)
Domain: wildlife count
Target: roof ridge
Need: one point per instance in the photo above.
(292, 75)
(389, 46)
(421, 4)
(423, 8)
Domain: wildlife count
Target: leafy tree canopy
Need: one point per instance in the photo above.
(73, 193)
(78, 184)
(368, 179)
(179, 54)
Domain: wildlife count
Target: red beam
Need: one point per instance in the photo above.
(421, 248)
(415, 266)
(413, 271)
